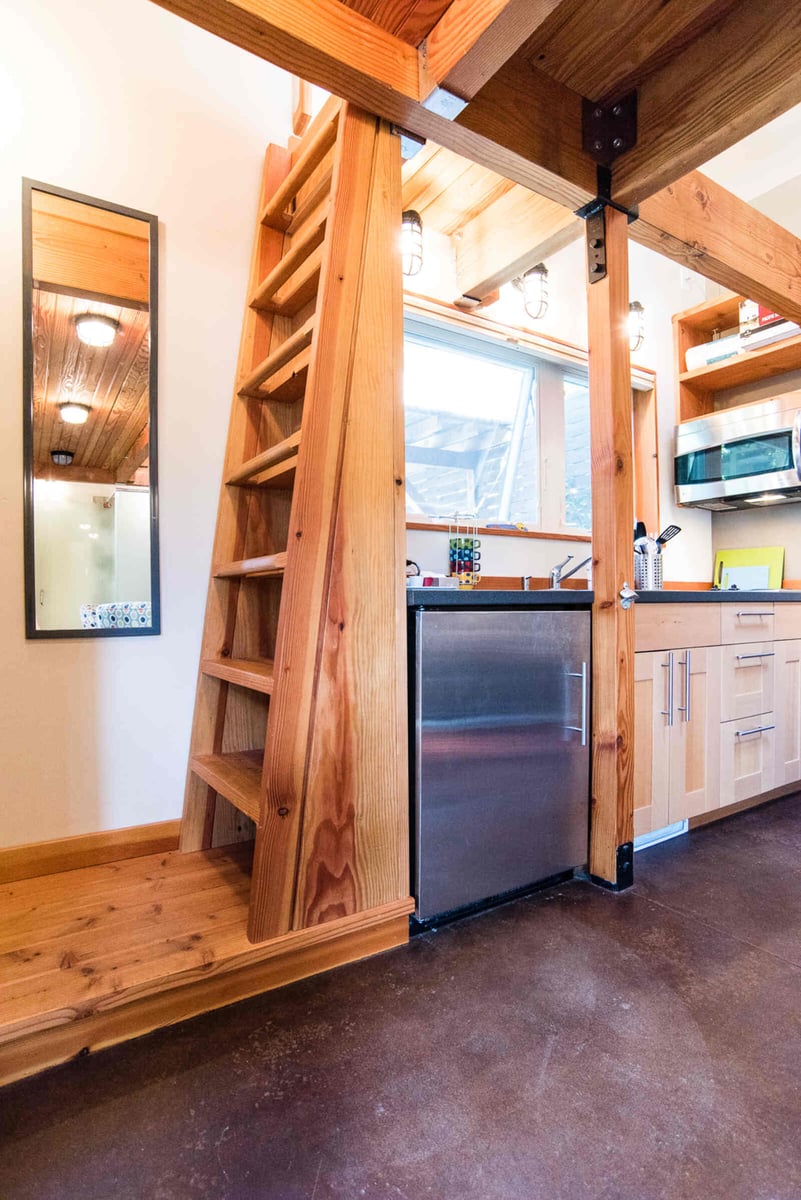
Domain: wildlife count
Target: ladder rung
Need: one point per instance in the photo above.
(305, 244)
(237, 777)
(307, 207)
(253, 673)
(274, 213)
(294, 345)
(265, 564)
(299, 289)
(268, 458)
(289, 385)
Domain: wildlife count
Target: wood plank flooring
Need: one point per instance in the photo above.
(93, 956)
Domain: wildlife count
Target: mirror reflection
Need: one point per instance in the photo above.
(91, 545)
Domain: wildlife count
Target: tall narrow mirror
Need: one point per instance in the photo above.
(91, 512)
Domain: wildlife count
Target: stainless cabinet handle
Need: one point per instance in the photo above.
(765, 654)
(582, 728)
(685, 662)
(754, 614)
(669, 666)
(748, 732)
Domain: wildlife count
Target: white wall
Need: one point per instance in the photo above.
(130, 104)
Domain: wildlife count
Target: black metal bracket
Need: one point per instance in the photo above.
(594, 214)
(608, 130)
(624, 870)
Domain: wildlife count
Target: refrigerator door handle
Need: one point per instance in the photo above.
(583, 676)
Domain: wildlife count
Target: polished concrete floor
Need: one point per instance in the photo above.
(573, 1045)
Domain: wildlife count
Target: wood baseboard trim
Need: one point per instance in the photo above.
(717, 814)
(270, 965)
(87, 850)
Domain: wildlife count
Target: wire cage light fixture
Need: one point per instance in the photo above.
(534, 286)
(411, 242)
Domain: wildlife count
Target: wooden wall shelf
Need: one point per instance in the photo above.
(696, 390)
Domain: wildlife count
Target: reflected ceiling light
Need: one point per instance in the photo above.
(96, 330)
(62, 458)
(636, 325)
(766, 498)
(74, 414)
(411, 242)
(534, 286)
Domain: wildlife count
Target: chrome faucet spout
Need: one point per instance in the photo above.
(556, 572)
(577, 567)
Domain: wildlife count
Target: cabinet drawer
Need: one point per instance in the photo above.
(747, 680)
(747, 758)
(745, 622)
(787, 621)
(676, 626)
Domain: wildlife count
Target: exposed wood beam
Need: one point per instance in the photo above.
(474, 38)
(517, 231)
(524, 110)
(611, 822)
(700, 225)
(739, 74)
(538, 145)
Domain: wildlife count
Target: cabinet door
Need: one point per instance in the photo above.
(651, 740)
(742, 622)
(747, 758)
(788, 712)
(695, 736)
(747, 680)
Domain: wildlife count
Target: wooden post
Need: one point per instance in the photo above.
(611, 822)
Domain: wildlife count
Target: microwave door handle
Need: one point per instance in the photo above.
(796, 441)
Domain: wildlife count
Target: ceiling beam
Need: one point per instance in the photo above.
(474, 38)
(336, 48)
(516, 232)
(741, 73)
(699, 224)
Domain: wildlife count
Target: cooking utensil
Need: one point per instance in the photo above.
(667, 534)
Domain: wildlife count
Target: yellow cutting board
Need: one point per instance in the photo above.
(771, 557)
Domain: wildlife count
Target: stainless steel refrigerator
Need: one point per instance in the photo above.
(501, 743)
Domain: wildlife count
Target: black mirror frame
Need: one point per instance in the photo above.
(28, 187)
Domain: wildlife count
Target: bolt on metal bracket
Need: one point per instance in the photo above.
(608, 130)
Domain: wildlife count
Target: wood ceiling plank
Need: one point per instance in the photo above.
(605, 49)
(517, 231)
(478, 190)
(700, 225)
(739, 74)
(74, 246)
(474, 38)
(440, 174)
(409, 20)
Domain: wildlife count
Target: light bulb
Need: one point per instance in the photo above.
(74, 414)
(94, 329)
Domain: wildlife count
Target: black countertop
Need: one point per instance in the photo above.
(432, 597)
(712, 597)
(581, 598)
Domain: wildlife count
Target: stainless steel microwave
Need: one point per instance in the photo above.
(740, 457)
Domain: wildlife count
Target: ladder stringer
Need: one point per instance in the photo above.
(343, 540)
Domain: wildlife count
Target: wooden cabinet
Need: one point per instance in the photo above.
(747, 757)
(677, 726)
(697, 388)
(717, 723)
(788, 712)
(747, 680)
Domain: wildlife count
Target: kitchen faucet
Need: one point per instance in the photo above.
(558, 574)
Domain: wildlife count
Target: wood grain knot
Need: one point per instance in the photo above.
(283, 812)
(299, 533)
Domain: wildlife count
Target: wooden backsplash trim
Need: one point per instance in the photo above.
(518, 533)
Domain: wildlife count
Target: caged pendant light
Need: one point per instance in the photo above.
(411, 242)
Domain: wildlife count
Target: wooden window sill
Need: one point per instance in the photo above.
(442, 527)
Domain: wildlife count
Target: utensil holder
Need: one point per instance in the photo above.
(647, 572)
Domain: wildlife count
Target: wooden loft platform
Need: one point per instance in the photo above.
(102, 954)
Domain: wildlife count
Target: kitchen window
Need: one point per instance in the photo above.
(495, 429)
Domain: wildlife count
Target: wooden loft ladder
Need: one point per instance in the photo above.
(299, 732)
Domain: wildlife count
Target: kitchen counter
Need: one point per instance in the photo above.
(708, 596)
(487, 598)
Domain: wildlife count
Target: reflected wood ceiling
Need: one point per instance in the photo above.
(114, 381)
